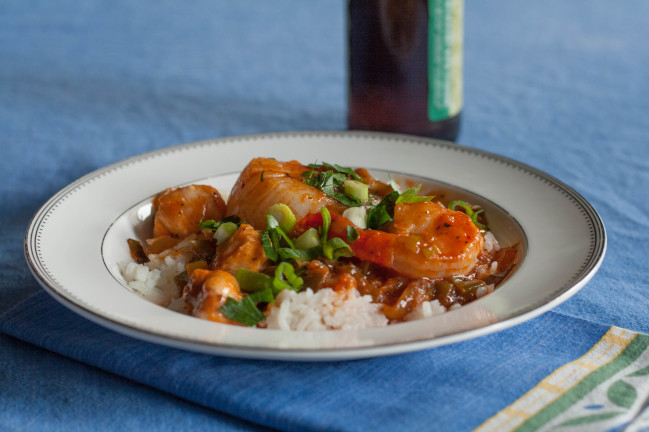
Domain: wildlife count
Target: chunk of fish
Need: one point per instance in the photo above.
(265, 182)
(242, 250)
(178, 211)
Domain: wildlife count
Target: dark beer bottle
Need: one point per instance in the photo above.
(405, 66)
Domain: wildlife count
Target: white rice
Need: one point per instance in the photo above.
(426, 310)
(154, 280)
(490, 243)
(324, 309)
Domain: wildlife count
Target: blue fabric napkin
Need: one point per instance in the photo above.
(449, 388)
(554, 84)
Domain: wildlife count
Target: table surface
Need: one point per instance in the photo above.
(561, 86)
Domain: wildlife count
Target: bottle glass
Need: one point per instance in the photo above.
(405, 66)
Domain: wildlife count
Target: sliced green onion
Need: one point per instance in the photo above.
(356, 189)
(284, 216)
(467, 208)
(357, 216)
(252, 281)
(213, 225)
(224, 231)
(326, 221)
(275, 231)
(308, 239)
(473, 214)
(285, 278)
(336, 248)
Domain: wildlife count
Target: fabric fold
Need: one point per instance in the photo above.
(403, 392)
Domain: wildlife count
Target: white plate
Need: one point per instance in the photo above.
(76, 239)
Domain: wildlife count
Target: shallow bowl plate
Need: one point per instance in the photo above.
(76, 240)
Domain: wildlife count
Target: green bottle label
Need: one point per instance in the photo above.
(445, 21)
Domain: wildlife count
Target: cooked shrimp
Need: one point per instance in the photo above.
(425, 240)
(265, 182)
(208, 290)
(242, 250)
(178, 211)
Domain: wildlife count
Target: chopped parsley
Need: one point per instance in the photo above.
(334, 167)
(244, 311)
(264, 290)
(411, 196)
(330, 179)
(383, 212)
(352, 233)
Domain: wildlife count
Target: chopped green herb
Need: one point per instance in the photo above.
(352, 233)
(308, 239)
(332, 182)
(265, 296)
(410, 195)
(300, 254)
(284, 216)
(473, 214)
(345, 170)
(285, 278)
(212, 225)
(326, 222)
(269, 248)
(310, 245)
(275, 231)
(357, 216)
(224, 231)
(347, 200)
(336, 248)
(252, 281)
(324, 180)
(356, 189)
(244, 311)
(383, 212)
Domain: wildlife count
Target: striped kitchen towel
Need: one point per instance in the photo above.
(605, 389)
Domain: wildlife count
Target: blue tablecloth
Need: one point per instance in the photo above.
(561, 86)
